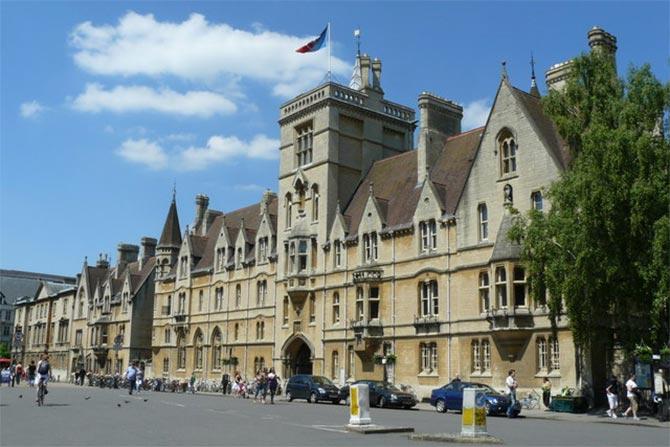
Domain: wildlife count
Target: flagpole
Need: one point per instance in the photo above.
(329, 54)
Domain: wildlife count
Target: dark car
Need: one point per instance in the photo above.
(383, 394)
(312, 388)
(450, 397)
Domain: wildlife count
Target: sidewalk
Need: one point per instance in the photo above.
(592, 417)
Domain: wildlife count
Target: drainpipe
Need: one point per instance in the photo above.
(448, 303)
(393, 319)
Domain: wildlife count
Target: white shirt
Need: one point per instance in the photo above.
(630, 386)
(510, 384)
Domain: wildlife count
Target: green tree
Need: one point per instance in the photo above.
(602, 251)
(4, 351)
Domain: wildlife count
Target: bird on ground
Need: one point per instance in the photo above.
(145, 400)
(126, 401)
(118, 405)
(87, 397)
(20, 396)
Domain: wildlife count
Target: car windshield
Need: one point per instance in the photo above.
(391, 387)
(321, 380)
(487, 388)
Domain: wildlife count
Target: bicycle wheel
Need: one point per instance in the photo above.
(40, 396)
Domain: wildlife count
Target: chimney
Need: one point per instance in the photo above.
(148, 247)
(365, 71)
(377, 74)
(602, 41)
(440, 118)
(103, 261)
(210, 215)
(267, 198)
(126, 253)
(201, 204)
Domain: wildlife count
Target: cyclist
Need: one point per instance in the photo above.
(43, 372)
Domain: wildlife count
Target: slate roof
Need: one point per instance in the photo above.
(395, 182)
(504, 248)
(96, 276)
(171, 235)
(15, 284)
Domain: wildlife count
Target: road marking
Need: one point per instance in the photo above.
(335, 428)
(172, 403)
(230, 412)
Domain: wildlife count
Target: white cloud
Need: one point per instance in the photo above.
(180, 137)
(249, 187)
(144, 152)
(475, 113)
(198, 50)
(219, 148)
(137, 98)
(31, 109)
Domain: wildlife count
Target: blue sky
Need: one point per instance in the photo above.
(105, 104)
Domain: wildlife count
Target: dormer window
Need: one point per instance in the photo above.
(263, 249)
(507, 149)
(337, 253)
(428, 230)
(303, 144)
(240, 256)
(183, 266)
(220, 258)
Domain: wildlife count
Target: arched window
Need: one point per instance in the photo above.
(289, 210)
(197, 350)
(312, 308)
(181, 353)
(501, 287)
(507, 148)
(315, 203)
(536, 200)
(216, 349)
(335, 366)
(483, 216)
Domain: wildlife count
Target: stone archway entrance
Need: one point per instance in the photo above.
(298, 358)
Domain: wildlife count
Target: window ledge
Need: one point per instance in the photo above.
(481, 374)
(551, 374)
(312, 324)
(507, 177)
(428, 374)
(284, 326)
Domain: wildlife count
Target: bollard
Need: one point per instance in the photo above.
(474, 412)
(359, 410)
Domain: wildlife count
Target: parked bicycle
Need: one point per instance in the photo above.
(531, 401)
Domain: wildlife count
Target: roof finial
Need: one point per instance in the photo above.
(339, 207)
(504, 70)
(174, 190)
(371, 189)
(357, 36)
(533, 83)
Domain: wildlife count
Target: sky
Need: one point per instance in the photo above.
(104, 106)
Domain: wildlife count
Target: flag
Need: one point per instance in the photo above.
(315, 44)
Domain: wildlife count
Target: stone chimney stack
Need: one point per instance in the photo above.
(148, 247)
(440, 118)
(365, 71)
(103, 261)
(267, 198)
(201, 204)
(125, 254)
(210, 215)
(377, 74)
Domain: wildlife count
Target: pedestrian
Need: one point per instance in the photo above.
(192, 383)
(631, 394)
(512, 385)
(12, 372)
(264, 385)
(6, 376)
(19, 373)
(140, 380)
(131, 376)
(273, 382)
(546, 392)
(82, 376)
(612, 391)
(225, 380)
(31, 373)
(257, 385)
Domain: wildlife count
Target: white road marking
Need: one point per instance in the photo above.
(172, 403)
(335, 428)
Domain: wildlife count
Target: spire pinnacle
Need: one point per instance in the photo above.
(174, 191)
(533, 82)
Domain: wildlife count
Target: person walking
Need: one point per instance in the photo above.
(273, 382)
(139, 380)
(546, 392)
(512, 385)
(31, 373)
(225, 380)
(12, 372)
(612, 391)
(192, 383)
(631, 394)
(82, 376)
(19, 373)
(131, 377)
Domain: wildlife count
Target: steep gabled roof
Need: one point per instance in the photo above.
(171, 235)
(95, 276)
(504, 248)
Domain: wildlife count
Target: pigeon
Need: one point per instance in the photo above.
(145, 400)
(87, 397)
(20, 396)
(118, 405)
(126, 401)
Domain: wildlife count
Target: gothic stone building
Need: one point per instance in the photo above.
(375, 259)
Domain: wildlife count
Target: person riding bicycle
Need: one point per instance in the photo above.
(43, 371)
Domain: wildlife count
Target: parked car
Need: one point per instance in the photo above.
(450, 397)
(312, 388)
(382, 394)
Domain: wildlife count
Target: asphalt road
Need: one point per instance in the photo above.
(69, 418)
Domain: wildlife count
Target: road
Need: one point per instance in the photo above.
(179, 419)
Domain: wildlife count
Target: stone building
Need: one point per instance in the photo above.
(376, 259)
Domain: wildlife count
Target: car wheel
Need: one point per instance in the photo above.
(440, 406)
(289, 396)
(312, 398)
(382, 402)
(336, 401)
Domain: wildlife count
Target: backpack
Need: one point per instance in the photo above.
(43, 368)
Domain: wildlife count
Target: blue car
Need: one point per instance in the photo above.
(450, 397)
